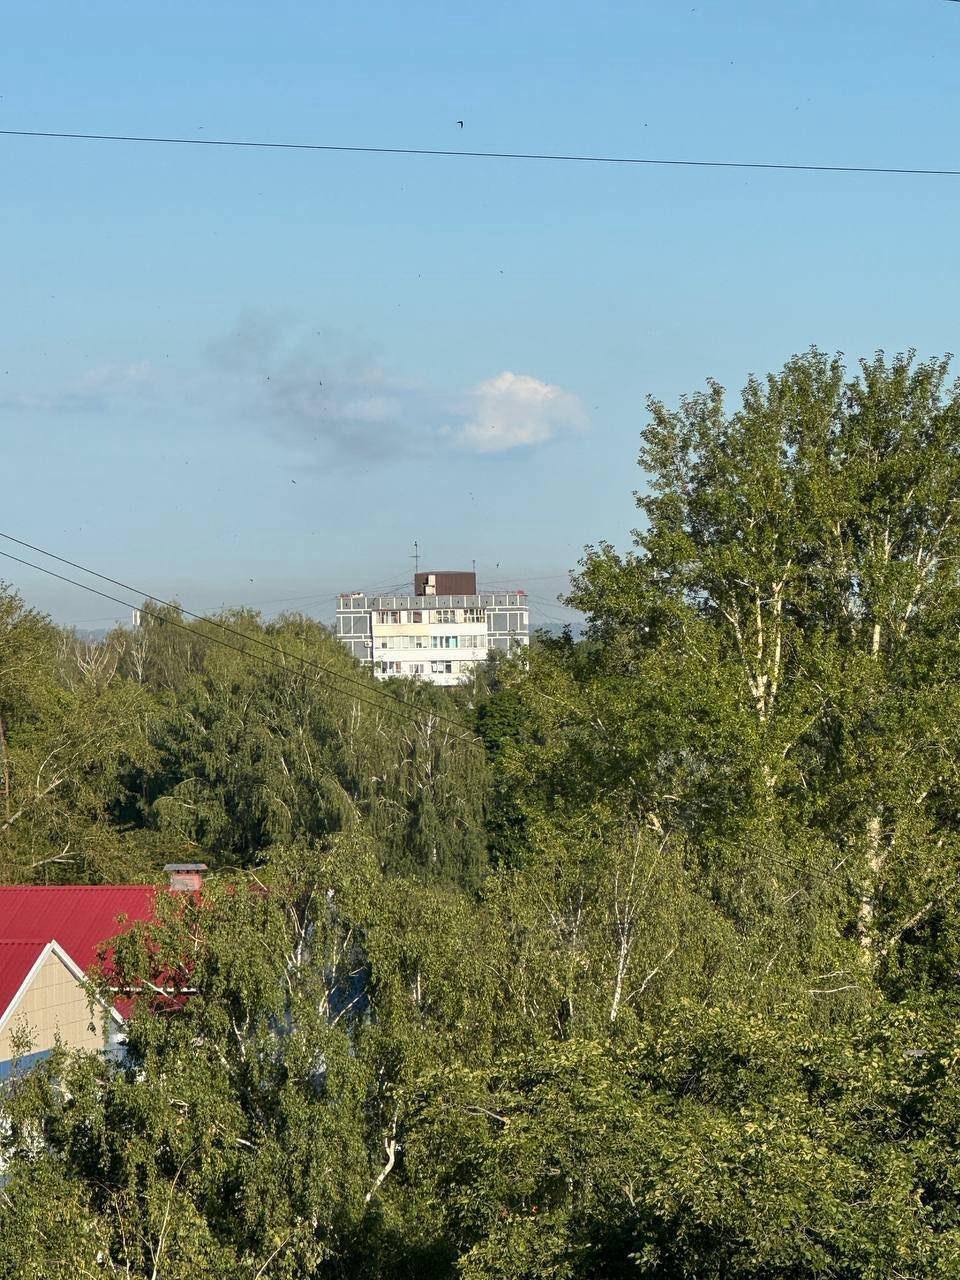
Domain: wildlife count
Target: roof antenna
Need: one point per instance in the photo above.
(416, 556)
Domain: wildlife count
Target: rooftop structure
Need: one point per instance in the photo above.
(445, 582)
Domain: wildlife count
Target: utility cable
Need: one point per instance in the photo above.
(213, 622)
(667, 162)
(408, 709)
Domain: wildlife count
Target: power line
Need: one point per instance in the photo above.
(557, 157)
(390, 590)
(527, 577)
(541, 608)
(408, 709)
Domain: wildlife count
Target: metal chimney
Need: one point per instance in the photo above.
(185, 877)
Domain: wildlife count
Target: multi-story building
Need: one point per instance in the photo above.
(438, 634)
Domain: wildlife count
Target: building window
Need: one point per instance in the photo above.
(416, 668)
(388, 617)
(441, 668)
(417, 615)
(445, 615)
(474, 615)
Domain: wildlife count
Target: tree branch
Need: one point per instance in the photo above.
(390, 1147)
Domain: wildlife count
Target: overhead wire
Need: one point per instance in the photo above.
(409, 709)
(540, 610)
(449, 153)
(405, 709)
(391, 589)
(294, 658)
(313, 598)
(526, 577)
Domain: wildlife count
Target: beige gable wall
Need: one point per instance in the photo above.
(55, 1002)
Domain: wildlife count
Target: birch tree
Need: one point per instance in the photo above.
(791, 616)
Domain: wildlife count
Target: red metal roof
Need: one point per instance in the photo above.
(16, 961)
(79, 917)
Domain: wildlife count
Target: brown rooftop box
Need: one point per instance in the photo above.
(445, 582)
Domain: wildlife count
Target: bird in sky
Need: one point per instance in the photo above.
(460, 123)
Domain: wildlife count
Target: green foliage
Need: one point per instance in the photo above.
(70, 732)
(363, 1077)
(650, 970)
(252, 755)
(771, 674)
(721, 1145)
(162, 742)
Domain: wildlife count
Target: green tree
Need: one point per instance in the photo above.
(296, 747)
(70, 730)
(233, 1136)
(774, 665)
(720, 1145)
(697, 1018)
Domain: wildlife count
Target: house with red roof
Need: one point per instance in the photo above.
(44, 1000)
(51, 938)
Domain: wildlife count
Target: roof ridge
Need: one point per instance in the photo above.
(51, 888)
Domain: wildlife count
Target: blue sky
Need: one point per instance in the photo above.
(245, 376)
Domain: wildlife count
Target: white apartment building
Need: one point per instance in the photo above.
(435, 635)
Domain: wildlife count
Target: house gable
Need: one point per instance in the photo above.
(53, 1003)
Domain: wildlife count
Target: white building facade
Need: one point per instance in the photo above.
(437, 638)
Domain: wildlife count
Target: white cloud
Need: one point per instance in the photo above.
(515, 409)
(317, 392)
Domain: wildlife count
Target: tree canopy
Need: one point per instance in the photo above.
(637, 957)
